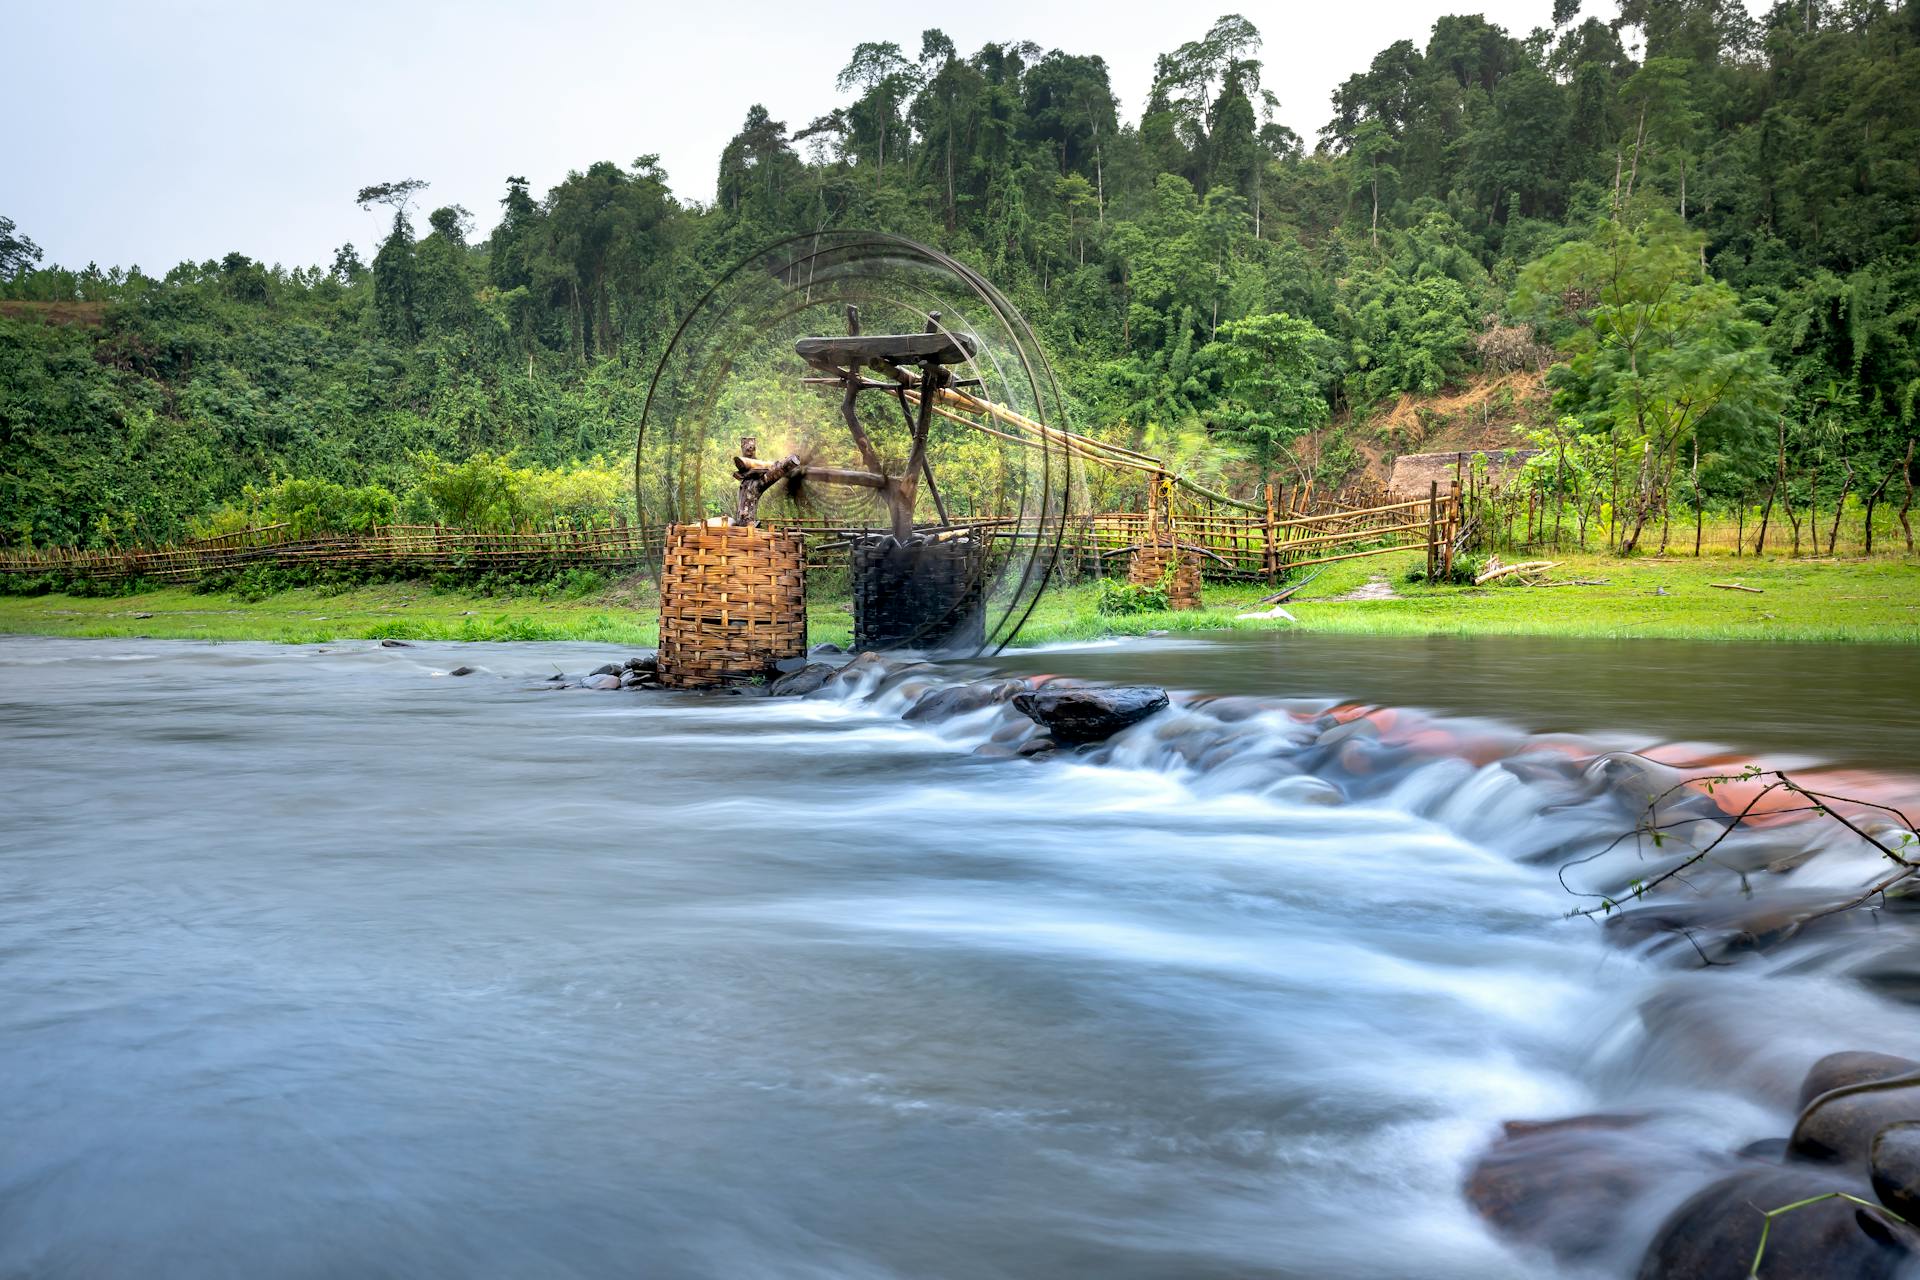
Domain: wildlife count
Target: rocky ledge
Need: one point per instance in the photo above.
(1052, 715)
(1576, 1186)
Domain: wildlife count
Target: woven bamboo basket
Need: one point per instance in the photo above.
(733, 601)
(1148, 567)
(928, 594)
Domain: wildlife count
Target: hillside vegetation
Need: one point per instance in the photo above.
(1702, 227)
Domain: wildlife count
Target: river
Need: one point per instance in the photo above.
(321, 962)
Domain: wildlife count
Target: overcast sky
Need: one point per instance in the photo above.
(150, 131)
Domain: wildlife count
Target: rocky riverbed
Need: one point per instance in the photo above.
(487, 960)
(1572, 1187)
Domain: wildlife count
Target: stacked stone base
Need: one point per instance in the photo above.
(928, 593)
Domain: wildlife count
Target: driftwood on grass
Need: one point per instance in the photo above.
(1279, 596)
(1497, 570)
(1735, 586)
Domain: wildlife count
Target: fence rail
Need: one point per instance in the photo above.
(1518, 522)
(1231, 546)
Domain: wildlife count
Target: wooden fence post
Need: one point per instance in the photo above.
(1269, 552)
(1451, 527)
(1433, 532)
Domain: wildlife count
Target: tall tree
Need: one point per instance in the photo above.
(1272, 368)
(18, 254)
(1658, 351)
(396, 277)
(883, 79)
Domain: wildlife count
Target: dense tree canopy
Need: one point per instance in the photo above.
(1717, 217)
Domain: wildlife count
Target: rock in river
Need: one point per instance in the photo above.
(1713, 1235)
(1839, 1126)
(1849, 1067)
(960, 699)
(806, 680)
(1081, 715)
(1896, 1169)
(1574, 1186)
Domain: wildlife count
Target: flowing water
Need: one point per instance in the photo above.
(319, 962)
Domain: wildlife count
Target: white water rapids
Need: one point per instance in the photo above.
(320, 962)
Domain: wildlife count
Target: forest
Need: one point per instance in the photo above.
(1704, 226)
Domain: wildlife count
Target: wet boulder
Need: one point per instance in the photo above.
(1839, 1126)
(395, 644)
(1358, 727)
(909, 678)
(462, 671)
(1035, 747)
(601, 682)
(1894, 1162)
(608, 669)
(1893, 972)
(642, 662)
(1714, 1234)
(1851, 1067)
(808, 679)
(1728, 1036)
(867, 664)
(1722, 928)
(1083, 715)
(1572, 1186)
(962, 699)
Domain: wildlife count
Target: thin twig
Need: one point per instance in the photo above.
(1646, 827)
(1768, 1215)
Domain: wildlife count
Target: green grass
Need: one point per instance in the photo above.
(399, 611)
(1802, 600)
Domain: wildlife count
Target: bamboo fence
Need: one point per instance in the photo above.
(1236, 545)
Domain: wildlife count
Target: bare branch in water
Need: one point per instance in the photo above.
(1821, 803)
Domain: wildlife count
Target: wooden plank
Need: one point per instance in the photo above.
(856, 350)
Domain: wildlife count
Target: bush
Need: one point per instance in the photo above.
(309, 508)
(40, 584)
(488, 492)
(1119, 598)
(28, 584)
(1465, 569)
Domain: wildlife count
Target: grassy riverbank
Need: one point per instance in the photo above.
(1799, 600)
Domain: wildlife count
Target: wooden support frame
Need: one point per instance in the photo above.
(839, 362)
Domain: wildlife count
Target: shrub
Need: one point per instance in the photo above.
(308, 507)
(1119, 598)
(1465, 569)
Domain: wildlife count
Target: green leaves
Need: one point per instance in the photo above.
(1660, 353)
(1272, 372)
